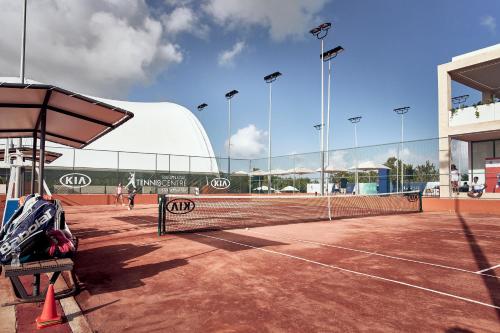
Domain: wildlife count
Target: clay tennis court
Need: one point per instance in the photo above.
(411, 272)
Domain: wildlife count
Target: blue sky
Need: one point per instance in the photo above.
(392, 49)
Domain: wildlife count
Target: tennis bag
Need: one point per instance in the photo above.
(28, 227)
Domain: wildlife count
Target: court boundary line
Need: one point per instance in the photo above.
(372, 253)
(487, 269)
(378, 254)
(376, 277)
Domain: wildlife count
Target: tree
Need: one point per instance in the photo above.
(426, 172)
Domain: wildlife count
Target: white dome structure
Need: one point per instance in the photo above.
(165, 129)
(170, 135)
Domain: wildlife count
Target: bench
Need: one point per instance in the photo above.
(54, 266)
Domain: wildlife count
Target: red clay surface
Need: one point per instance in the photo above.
(28, 312)
(407, 273)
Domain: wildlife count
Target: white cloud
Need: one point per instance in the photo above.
(226, 58)
(248, 142)
(291, 18)
(183, 19)
(489, 22)
(98, 47)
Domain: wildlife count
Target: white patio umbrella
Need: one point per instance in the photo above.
(279, 172)
(300, 171)
(289, 189)
(368, 166)
(259, 173)
(263, 188)
(332, 169)
(240, 173)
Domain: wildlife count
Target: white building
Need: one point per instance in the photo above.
(474, 123)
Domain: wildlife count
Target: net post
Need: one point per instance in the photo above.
(161, 214)
(420, 201)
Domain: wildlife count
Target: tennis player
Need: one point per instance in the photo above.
(119, 194)
(131, 198)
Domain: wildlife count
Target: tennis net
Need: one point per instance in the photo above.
(178, 213)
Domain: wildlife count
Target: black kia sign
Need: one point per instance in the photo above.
(180, 206)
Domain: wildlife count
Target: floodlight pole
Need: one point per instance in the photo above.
(23, 46)
(229, 138)
(320, 33)
(328, 125)
(328, 56)
(401, 112)
(355, 121)
(270, 79)
(269, 137)
(229, 96)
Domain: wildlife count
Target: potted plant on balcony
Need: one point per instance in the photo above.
(476, 113)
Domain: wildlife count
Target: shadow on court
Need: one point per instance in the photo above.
(227, 246)
(87, 233)
(490, 282)
(139, 221)
(112, 268)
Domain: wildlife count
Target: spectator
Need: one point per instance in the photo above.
(455, 178)
(343, 185)
(477, 188)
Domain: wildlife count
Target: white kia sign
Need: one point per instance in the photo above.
(75, 180)
(220, 183)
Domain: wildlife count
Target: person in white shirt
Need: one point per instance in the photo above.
(477, 188)
(455, 178)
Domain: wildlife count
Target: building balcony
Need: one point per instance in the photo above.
(474, 114)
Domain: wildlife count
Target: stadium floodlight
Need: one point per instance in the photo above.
(321, 30)
(270, 79)
(355, 121)
(202, 106)
(229, 96)
(328, 56)
(459, 101)
(320, 33)
(401, 112)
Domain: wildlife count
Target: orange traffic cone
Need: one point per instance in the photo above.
(49, 315)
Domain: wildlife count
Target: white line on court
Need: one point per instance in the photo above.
(375, 254)
(487, 269)
(353, 272)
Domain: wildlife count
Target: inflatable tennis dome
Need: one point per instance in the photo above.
(170, 134)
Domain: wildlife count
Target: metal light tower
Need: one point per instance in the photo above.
(23, 45)
(355, 121)
(202, 106)
(229, 96)
(270, 79)
(401, 112)
(320, 33)
(328, 56)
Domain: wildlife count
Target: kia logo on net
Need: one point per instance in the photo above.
(180, 206)
(220, 183)
(75, 180)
